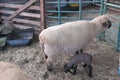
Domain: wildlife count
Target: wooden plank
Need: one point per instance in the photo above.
(42, 8)
(26, 14)
(24, 26)
(18, 6)
(26, 21)
(29, 3)
(37, 23)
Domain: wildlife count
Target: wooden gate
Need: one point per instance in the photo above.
(30, 14)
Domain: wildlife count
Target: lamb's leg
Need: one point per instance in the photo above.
(74, 70)
(88, 69)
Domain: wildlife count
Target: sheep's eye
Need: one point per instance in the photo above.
(105, 24)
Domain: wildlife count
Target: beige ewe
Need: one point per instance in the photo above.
(70, 37)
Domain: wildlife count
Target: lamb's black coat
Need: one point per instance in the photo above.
(79, 58)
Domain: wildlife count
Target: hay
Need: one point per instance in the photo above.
(29, 58)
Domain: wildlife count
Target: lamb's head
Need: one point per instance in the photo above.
(102, 22)
(68, 68)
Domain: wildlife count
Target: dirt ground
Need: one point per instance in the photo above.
(29, 58)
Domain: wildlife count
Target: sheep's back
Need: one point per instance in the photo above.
(69, 36)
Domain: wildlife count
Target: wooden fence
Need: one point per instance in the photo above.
(30, 14)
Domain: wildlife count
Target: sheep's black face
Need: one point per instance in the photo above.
(107, 24)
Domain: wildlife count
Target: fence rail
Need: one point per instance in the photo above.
(113, 35)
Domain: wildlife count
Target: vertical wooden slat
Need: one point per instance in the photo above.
(42, 8)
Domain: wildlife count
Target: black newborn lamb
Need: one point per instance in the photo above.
(83, 58)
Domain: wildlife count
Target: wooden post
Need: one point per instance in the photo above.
(42, 12)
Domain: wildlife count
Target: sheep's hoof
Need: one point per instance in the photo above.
(90, 75)
(74, 73)
(84, 65)
(49, 69)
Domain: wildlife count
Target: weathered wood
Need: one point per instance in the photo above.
(16, 6)
(42, 8)
(26, 21)
(30, 22)
(26, 14)
(24, 26)
(29, 3)
(21, 22)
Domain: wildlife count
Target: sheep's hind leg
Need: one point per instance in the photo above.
(88, 69)
(50, 60)
(49, 63)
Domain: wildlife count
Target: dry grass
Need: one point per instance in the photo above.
(29, 58)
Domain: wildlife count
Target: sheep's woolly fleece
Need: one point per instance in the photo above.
(10, 71)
